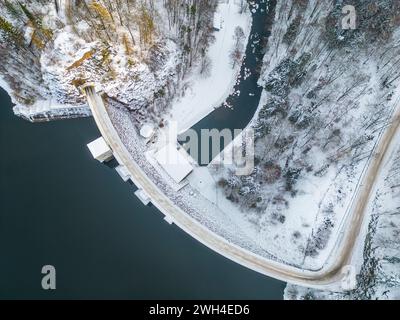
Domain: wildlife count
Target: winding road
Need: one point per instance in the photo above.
(332, 276)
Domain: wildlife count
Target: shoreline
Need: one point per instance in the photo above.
(45, 115)
(208, 93)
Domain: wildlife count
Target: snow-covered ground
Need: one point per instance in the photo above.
(205, 93)
(377, 259)
(73, 50)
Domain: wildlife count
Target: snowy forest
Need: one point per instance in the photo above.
(145, 47)
(328, 94)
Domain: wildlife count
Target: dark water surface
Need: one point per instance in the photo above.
(60, 207)
(244, 102)
(244, 105)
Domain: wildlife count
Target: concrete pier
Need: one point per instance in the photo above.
(123, 172)
(143, 196)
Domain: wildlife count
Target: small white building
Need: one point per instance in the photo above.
(147, 131)
(100, 150)
(168, 219)
(174, 162)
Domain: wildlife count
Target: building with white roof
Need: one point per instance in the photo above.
(174, 162)
(100, 150)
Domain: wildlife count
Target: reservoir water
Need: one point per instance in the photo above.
(239, 108)
(60, 207)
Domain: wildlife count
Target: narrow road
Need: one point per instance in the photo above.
(329, 277)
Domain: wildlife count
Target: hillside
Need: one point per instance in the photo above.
(378, 258)
(137, 52)
(328, 95)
